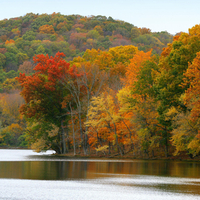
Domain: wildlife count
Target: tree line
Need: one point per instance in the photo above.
(120, 101)
(23, 37)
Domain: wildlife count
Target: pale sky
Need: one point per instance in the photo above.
(158, 15)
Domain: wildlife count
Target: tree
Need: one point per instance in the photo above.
(94, 34)
(10, 104)
(89, 84)
(144, 30)
(46, 29)
(26, 67)
(103, 119)
(137, 99)
(99, 29)
(186, 132)
(9, 42)
(134, 67)
(40, 50)
(135, 32)
(12, 123)
(123, 54)
(192, 93)
(21, 57)
(77, 39)
(10, 84)
(45, 97)
(2, 59)
(29, 35)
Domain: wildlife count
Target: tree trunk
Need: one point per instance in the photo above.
(130, 134)
(152, 152)
(166, 150)
(81, 133)
(118, 146)
(166, 142)
(109, 148)
(74, 142)
(63, 139)
(67, 141)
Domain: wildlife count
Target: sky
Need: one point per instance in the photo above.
(172, 16)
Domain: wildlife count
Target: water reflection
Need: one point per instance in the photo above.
(137, 177)
(62, 170)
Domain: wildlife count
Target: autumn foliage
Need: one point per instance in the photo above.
(44, 93)
(115, 96)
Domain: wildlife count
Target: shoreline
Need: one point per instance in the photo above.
(185, 158)
(129, 157)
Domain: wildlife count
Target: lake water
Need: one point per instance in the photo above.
(26, 175)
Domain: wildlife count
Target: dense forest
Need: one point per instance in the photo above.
(98, 86)
(23, 37)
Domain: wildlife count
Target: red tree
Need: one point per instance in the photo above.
(45, 93)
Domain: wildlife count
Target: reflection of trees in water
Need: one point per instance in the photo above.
(62, 170)
(71, 170)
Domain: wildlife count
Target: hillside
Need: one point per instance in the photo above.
(23, 37)
(115, 90)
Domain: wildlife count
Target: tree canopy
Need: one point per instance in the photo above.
(114, 89)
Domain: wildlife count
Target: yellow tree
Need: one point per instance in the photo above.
(123, 54)
(126, 115)
(103, 117)
(12, 123)
(111, 65)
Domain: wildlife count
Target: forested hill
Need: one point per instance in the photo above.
(23, 37)
(99, 86)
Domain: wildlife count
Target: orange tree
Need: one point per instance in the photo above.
(192, 93)
(137, 101)
(46, 100)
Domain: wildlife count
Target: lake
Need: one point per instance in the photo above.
(26, 175)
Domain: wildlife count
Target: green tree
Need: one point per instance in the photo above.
(135, 32)
(2, 59)
(40, 50)
(169, 81)
(21, 57)
(94, 34)
(29, 35)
